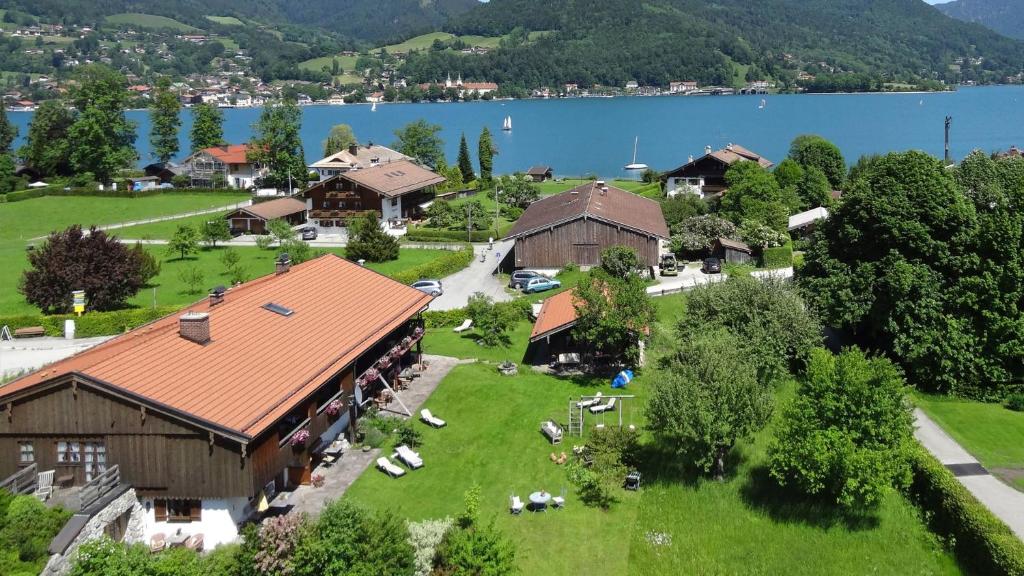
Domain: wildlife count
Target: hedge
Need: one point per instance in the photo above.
(122, 193)
(446, 318)
(780, 257)
(435, 234)
(981, 541)
(91, 323)
(449, 263)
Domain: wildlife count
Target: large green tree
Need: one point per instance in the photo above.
(613, 316)
(847, 433)
(421, 141)
(485, 153)
(754, 195)
(517, 190)
(814, 189)
(47, 148)
(706, 398)
(368, 241)
(207, 127)
(339, 138)
(813, 150)
(165, 119)
(277, 144)
(8, 131)
(346, 539)
(101, 139)
(465, 162)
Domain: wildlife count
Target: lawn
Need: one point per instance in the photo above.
(554, 187)
(226, 20)
(990, 432)
(149, 21)
(347, 64)
(164, 229)
(445, 341)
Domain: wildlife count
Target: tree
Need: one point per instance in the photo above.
(760, 236)
(474, 216)
(612, 315)
(814, 189)
(789, 173)
(184, 241)
(46, 147)
(754, 195)
(277, 144)
(620, 261)
(517, 190)
(107, 270)
(207, 127)
(813, 150)
(281, 230)
(339, 138)
(442, 215)
(232, 262)
(101, 139)
(420, 140)
(680, 207)
(707, 398)
(486, 152)
(491, 321)
(8, 131)
(214, 231)
(698, 233)
(192, 277)
(476, 550)
(345, 539)
(848, 432)
(465, 162)
(165, 118)
(149, 266)
(368, 241)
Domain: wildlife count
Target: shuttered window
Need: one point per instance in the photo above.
(174, 510)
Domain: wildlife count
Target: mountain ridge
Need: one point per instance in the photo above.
(1003, 16)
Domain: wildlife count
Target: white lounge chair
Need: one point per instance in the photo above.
(515, 505)
(603, 407)
(466, 325)
(390, 468)
(409, 457)
(44, 485)
(559, 501)
(589, 403)
(552, 431)
(432, 420)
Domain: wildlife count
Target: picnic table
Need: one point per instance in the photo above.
(539, 500)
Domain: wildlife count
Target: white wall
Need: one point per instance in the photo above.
(219, 523)
(388, 211)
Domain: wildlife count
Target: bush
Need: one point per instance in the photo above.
(425, 536)
(436, 235)
(26, 529)
(444, 318)
(982, 542)
(1015, 401)
(264, 241)
(449, 263)
(780, 257)
(408, 435)
(92, 323)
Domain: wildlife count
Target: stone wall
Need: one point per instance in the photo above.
(60, 564)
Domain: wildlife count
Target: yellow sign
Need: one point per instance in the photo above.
(78, 300)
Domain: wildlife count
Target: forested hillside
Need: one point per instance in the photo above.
(1003, 16)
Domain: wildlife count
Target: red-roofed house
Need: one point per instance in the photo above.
(228, 161)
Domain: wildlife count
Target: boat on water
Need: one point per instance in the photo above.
(762, 105)
(634, 165)
(373, 108)
(507, 124)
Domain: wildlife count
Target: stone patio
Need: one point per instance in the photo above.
(342, 473)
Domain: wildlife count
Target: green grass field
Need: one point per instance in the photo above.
(990, 432)
(226, 20)
(165, 229)
(347, 64)
(149, 21)
(424, 41)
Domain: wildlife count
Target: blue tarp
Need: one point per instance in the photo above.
(622, 378)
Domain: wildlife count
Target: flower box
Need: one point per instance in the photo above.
(334, 408)
(299, 438)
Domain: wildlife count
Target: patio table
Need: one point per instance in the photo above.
(334, 448)
(175, 540)
(539, 500)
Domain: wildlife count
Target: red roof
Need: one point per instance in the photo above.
(556, 314)
(231, 154)
(258, 365)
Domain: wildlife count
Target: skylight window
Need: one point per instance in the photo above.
(278, 309)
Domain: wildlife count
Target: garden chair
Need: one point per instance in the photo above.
(559, 501)
(389, 468)
(44, 485)
(157, 542)
(603, 407)
(409, 457)
(432, 420)
(466, 325)
(589, 403)
(195, 542)
(515, 505)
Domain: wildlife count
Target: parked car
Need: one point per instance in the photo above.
(711, 266)
(309, 233)
(521, 277)
(540, 284)
(432, 287)
(668, 265)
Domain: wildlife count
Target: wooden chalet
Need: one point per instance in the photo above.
(253, 219)
(393, 191)
(576, 225)
(552, 331)
(540, 173)
(732, 251)
(705, 176)
(209, 412)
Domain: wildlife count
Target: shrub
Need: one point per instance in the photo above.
(444, 265)
(444, 318)
(92, 323)
(367, 241)
(982, 542)
(408, 435)
(620, 261)
(27, 528)
(264, 242)
(1015, 401)
(491, 322)
(425, 536)
(479, 549)
(435, 235)
(374, 438)
(780, 257)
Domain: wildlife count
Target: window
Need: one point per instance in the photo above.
(95, 459)
(69, 452)
(26, 453)
(178, 510)
(327, 204)
(394, 202)
(342, 205)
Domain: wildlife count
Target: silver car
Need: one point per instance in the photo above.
(432, 287)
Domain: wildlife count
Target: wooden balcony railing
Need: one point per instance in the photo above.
(21, 482)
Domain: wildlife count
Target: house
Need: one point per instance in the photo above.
(209, 412)
(681, 87)
(464, 88)
(576, 225)
(804, 222)
(143, 183)
(539, 173)
(732, 251)
(552, 331)
(632, 85)
(164, 171)
(230, 162)
(253, 219)
(705, 176)
(355, 157)
(395, 191)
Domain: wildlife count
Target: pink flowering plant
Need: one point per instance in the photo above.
(334, 408)
(300, 437)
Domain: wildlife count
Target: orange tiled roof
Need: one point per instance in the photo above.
(557, 312)
(230, 154)
(258, 365)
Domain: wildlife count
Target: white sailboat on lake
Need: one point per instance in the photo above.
(507, 124)
(634, 165)
(373, 108)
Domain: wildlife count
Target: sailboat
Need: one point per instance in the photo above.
(507, 124)
(634, 165)
(763, 102)
(373, 108)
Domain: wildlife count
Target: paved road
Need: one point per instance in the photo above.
(1004, 501)
(25, 355)
(477, 277)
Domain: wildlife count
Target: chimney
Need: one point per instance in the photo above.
(217, 295)
(353, 149)
(707, 149)
(195, 326)
(283, 264)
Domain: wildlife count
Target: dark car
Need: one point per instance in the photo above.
(521, 277)
(711, 266)
(309, 233)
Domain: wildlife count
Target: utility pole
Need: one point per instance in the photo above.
(497, 210)
(949, 121)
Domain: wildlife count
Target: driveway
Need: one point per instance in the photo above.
(477, 277)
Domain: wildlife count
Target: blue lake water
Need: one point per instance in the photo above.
(595, 135)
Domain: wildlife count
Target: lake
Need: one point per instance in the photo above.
(595, 135)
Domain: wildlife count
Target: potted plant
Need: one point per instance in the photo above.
(334, 408)
(418, 332)
(508, 368)
(407, 342)
(299, 438)
(396, 353)
(370, 375)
